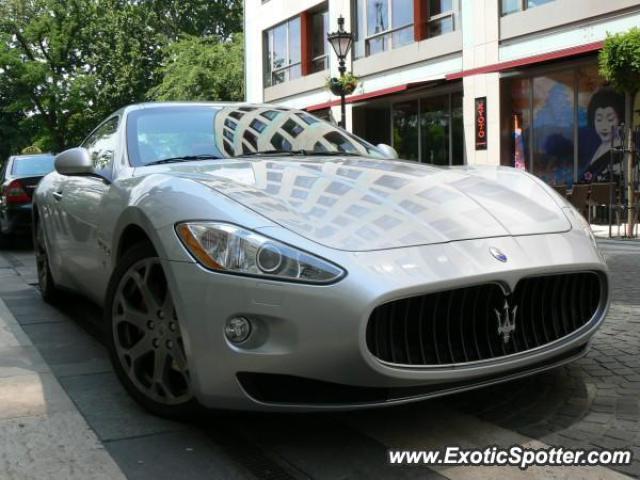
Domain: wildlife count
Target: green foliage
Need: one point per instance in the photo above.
(202, 69)
(346, 83)
(620, 60)
(123, 55)
(175, 18)
(66, 64)
(41, 43)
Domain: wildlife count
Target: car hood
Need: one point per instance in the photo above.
(360, 204)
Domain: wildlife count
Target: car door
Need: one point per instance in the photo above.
(81, 200)
(55, 232)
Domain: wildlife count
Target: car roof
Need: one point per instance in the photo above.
(148, 105)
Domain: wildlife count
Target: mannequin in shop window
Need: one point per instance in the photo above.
(604, 115)
(518, 143)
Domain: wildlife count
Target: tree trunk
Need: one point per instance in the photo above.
(628, 153)
(630, 190)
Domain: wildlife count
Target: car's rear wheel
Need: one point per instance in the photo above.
(48, 289)
(145, 340)
(5, 240)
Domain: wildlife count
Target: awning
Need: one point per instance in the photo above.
(520, 62)
(374, 94)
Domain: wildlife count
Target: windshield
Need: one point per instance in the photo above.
(160, 133)
(32, 166)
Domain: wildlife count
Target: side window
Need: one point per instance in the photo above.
(102, 145)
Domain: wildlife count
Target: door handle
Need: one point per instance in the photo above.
(57, 195)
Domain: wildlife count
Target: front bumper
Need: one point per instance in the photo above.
(317, 333)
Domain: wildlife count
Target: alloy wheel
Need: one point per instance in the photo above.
(147, 336)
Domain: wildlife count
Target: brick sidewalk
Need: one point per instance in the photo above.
(42, 434)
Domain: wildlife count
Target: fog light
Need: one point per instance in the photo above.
(237, 329)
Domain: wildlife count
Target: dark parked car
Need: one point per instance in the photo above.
(19, 177)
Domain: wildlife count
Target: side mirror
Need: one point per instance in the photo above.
(75, 161)
(388, 151)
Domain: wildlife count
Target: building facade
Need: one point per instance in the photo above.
(449, 82)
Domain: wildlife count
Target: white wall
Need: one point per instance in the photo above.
(480, 38)
(589, 31)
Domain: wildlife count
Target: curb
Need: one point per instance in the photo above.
(42, 433)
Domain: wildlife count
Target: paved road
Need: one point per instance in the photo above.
(593, 403)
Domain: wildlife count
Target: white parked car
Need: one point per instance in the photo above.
(256, 257)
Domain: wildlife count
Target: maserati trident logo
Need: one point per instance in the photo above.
(497, 254)
(506, 321)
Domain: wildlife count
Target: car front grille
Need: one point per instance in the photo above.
(482, 322)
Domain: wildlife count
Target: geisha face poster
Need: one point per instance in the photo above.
(564, 125)
(600, 114)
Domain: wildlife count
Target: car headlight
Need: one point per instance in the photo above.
(228, 248)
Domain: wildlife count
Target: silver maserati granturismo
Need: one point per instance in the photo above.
(257, 257)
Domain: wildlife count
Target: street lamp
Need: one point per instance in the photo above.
(341, 42)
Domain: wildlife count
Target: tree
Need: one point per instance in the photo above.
(41, 50)
(620, 64)
(175, 18)
(125, 50)
(202, 69)
(10, 135)
(66, 64)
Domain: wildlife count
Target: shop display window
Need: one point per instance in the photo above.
(562, 125)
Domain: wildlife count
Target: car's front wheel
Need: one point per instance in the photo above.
(145, 340)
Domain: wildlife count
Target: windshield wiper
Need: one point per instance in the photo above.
(184, 158)
(300, 153)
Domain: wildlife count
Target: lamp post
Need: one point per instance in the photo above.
(341, 42)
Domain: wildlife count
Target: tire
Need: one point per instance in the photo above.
(48, 289)
(6, 241)
(144, 338)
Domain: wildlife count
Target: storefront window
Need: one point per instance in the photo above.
(373, 122)
(561, 125)
(553, 124)
(435, 134)
(405, 130)
(428, 130)
(434, 125)
(457, 130)
(520, 123)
